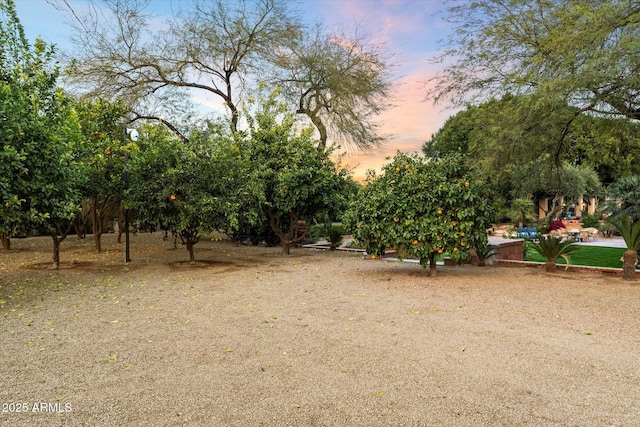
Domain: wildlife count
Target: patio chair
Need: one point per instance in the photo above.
(592, 233)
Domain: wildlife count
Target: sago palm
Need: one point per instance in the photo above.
(551, 248)
(630, 232)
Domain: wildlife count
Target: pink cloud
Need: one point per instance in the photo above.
(411, 122)
(410, 32)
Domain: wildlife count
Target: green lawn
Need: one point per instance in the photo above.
(595, 256)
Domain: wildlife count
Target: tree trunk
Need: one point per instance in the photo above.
(285, 247)
(97, 236)
(6, 241)
(235, 115)
(97, 226)
(550, 266)
(629, 259)
(285, 238)
(121, 222)
(322, 129)
(432, 266)
(56, 252)
(190, 245)
(63, 232)
(189, 238)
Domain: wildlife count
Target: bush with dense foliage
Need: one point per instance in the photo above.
(551, 248)
(630, 232)
(555, 224)
(291, 180)
(40, 175)
(423, 208)
(589, 221)
(188, 189)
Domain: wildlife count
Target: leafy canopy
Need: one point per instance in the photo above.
(39, 174)
(551, 248)
(558, 60)
(623, 198)
(291, 179)
(424, 208)
(515, 151)
(581, 52)
(339, 82)
(186, 189)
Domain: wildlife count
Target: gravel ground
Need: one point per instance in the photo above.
(246, 337)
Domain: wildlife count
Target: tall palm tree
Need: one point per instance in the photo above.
(551, 248)
(630, 232)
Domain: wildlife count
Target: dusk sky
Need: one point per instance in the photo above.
(410, 29)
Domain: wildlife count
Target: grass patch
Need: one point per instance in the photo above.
(593, 256)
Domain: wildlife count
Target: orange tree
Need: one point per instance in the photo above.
(101, 152)
(423, 208)
(187, 189)
(40, 175)
(292, 180)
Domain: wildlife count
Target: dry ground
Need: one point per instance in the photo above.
(247, 337)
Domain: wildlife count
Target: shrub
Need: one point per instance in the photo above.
(551, 248)
(315, 233)
(423, 208)
(334, 236)
(484, 252)
(630, 232)
(607, 229)
(589, 221)
(555, 224)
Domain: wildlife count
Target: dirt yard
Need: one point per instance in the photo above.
(246, 337)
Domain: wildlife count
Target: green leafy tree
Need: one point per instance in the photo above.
(186, 189)
(102, 155)
(291, 180)
(610, 146)
(522, 210)
(630, 232)
(40, 176)
(568, 181)
(423, 208)
(22, 74)
(458, 134)
(339, 82)
(55, 194)
(517, 153)
(623, 198)
(213, 47)
(562, 52)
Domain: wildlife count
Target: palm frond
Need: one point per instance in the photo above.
(552, 248)
(630, 231)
